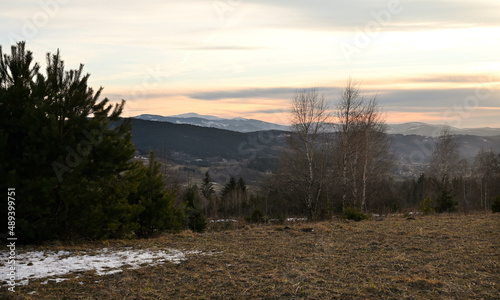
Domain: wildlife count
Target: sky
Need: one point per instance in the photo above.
(426, 61)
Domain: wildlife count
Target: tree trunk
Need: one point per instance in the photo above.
(485, 195)
(310, 193)
(344, 182)
(354, 174)
(365, 179)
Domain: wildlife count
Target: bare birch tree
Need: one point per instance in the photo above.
(374, 144)
(348, 112)
(445, 158)
(444, 166)
(361, 143)
(309, 122)
(486, 171)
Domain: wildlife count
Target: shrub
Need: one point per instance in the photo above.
(445, 202)
(256, 217)
(354, 213)
(495, 205)
(196, 221)
(426, 206)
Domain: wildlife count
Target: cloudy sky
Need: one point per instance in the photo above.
(431, 61)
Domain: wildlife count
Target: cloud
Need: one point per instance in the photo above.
(221, 48)
(404, 100)
(268, 111)
(277, 92)
(437, 98)
(245, 93)
(403, 15)
(454, 78)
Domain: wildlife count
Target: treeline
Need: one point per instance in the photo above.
(342, 164)
(232, 201)
(352, 170)
(454, 184)
(470, 187)
(450, 184)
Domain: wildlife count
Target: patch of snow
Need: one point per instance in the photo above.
(57, 280)
(223, 221)
(296, 219)
(195, 115)
(41, 264)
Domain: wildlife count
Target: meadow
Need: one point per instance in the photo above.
(447, 256)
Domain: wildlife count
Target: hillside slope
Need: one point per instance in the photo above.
(204, 142)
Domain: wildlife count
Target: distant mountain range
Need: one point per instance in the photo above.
(424, 129)
(252, 125)
(236, 124)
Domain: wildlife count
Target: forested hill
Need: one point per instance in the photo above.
(203, 142)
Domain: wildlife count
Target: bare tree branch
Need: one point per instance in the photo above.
(309, 119)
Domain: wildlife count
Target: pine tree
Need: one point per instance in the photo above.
(241, 185)
(64, 150)
(241, 194)
(207, 187)
(195, 220)
(208, 191)
(156, 205)
(228, 197)
(234, 197)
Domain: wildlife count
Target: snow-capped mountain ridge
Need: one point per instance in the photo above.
(432, 130)
(195, 115)
(236, 124)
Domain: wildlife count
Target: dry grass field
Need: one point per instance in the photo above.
(450, 256)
